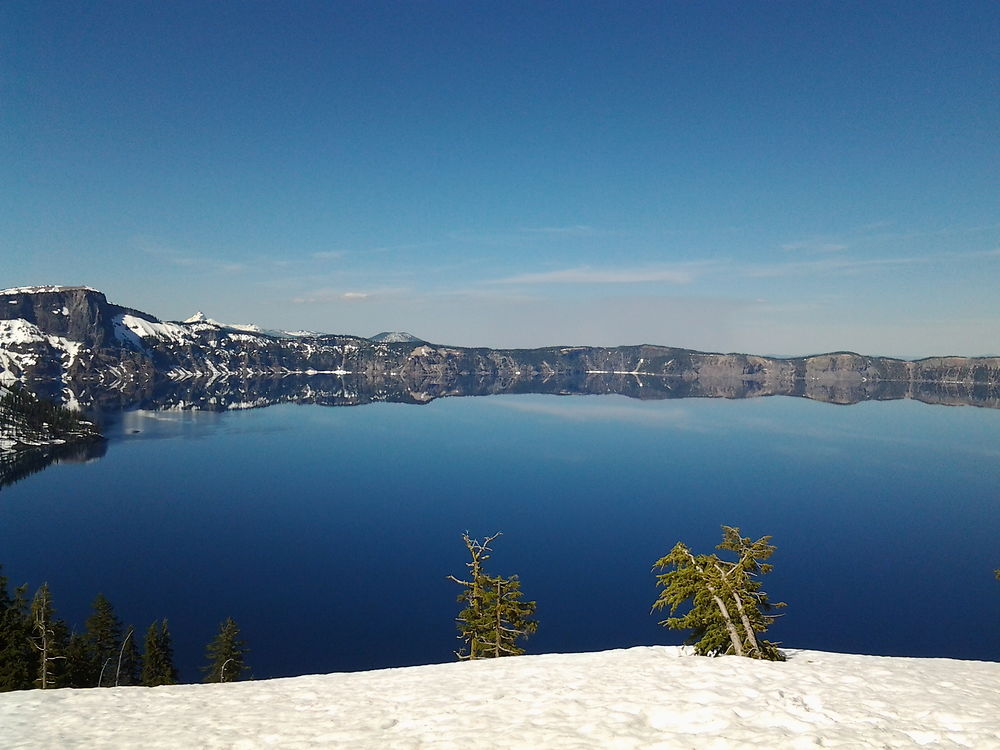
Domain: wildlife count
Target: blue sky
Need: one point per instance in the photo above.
(775, 177)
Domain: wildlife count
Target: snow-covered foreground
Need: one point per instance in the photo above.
(646, 697)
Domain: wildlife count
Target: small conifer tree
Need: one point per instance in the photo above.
(103, 638)
(728, 608)
(494, 617)
(79, 663)
(18, 660)
(226, 654)
(158, 660)
(129, 668)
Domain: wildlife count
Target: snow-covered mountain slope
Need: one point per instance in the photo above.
(200, 317)
(27, 424)
(647, 697)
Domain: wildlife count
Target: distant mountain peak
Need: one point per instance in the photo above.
(198, 317)
(395, 337)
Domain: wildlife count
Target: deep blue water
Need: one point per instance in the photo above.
(328, 533)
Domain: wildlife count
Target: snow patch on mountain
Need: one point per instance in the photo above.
(19, 331)
(395, 337)
(200, 319)
(44, 289)
(19, 342)
(646, 697)
(132, 330)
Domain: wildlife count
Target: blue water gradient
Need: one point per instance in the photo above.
(328, 533)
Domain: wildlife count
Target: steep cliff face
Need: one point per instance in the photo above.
(76, 313)
(71, 343)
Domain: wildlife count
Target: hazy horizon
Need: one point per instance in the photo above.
(721, 176)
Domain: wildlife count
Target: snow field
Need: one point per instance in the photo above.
(652, 697)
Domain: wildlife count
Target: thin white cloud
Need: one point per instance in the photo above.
(329, 295)
(847, 265)
(588, 275)
(573, 229)
(173, 257)
(329, 254)
(814, 246)
(828, 266)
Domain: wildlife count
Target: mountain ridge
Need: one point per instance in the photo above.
(72, 343)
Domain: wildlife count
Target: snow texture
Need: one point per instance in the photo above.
(129, 328)
(395, 337)
(20, 334)
(646, 697)
(44, 289)
(199, 321)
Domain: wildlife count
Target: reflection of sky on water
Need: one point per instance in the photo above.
(328, 532)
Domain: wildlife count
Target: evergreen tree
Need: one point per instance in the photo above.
(5, 600)
(226, 654)
(48, 636)
(18, 660)
(103, 638)
(509, 616)
(79, 663)
(728, 608)
(129, 668)
(494, 617)
(158, 660)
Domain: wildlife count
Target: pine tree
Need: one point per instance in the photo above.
(79, 663)
(509, 616)
(129, 667)
(728, 608)
(48, 638)
(226, 654)
(158, 660)
(103, 638)
(18, 660)
(494, 617)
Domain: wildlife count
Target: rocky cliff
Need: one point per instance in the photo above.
(72, 344)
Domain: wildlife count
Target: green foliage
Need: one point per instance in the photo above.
(494, 618)
(103, 640)
(37, 649)
(129, 668)
(226, 654)
(18, 660)
(79, 664)
(158, 661)
(728, 608)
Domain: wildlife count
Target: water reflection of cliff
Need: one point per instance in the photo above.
(19, 464)
(222, 394)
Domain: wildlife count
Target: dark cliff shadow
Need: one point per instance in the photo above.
(16, 465)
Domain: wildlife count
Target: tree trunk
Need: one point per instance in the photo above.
(734, 634)
(751, 636)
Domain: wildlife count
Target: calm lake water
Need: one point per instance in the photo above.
(328, 533)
